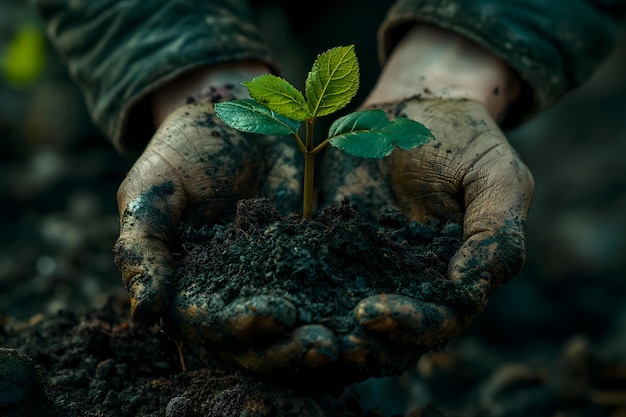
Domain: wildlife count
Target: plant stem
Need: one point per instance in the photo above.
(309, 167)
(321, 146)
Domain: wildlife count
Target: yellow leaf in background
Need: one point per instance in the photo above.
(24, 59)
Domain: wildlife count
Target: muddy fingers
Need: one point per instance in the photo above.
(365, 355)
(408, 322)
(147, 273)
(307, 347)
(258, 317)
(141, 251)
(208, 318)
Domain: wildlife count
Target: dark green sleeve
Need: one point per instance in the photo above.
(554, 45)
(119, 51)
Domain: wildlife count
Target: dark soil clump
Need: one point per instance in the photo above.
(324, 265)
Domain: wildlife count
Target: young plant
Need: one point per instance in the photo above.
(277, 108)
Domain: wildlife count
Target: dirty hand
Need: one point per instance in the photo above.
(469, 174)
(193, 170)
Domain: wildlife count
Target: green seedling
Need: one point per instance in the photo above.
(277, 108)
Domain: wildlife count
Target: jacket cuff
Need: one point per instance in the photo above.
(553, 47)
(120, 52)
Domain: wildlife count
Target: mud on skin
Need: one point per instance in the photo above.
(212, 168)
(149, 207)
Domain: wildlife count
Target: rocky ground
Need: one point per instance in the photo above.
(550, 343)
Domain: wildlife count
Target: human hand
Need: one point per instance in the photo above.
(192, 168)
(469, 174)
(193, 171)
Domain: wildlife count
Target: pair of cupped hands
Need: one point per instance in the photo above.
(195, 169)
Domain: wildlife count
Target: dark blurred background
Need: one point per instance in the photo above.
(59, 175)
(58, 179)
(575, 277)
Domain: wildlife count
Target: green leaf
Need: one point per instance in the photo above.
(370, 134)
(279, 95)
(333, 81)
(253, 117)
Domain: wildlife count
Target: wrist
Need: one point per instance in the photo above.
(431, 62)
(204, 82)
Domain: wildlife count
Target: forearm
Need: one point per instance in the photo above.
(202, 82)
(553, 45)
(431, 62)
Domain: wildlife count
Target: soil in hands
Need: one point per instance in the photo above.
(324, 265)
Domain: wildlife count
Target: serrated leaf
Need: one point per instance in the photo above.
(370, 134)
(333, 81)
(278, 95)
(253, 117)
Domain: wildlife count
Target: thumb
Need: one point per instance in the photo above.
(498, 195)
(150, 207)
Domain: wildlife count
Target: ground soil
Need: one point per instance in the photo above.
(101, 364)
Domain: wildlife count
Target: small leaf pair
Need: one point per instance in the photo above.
(277, 108)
